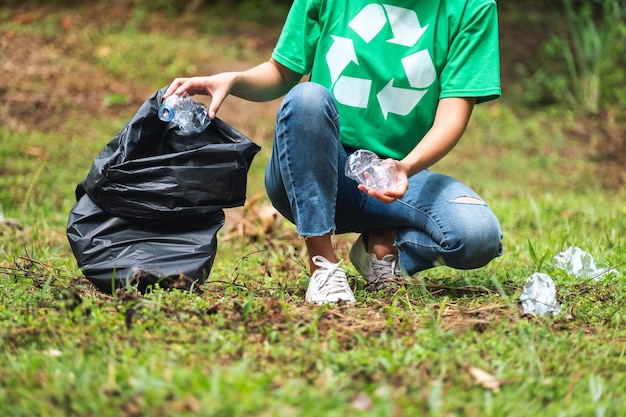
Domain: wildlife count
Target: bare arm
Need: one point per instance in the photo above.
(263, 82)
(451, 120)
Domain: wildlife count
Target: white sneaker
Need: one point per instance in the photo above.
(379, 273)
(328, 284)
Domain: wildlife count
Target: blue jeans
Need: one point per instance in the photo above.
(439, 221)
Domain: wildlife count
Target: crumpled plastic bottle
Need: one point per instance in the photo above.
(580, 264)
(368, 169)
(539, 295)
(191, 117)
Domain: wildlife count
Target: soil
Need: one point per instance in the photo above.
(45, 79)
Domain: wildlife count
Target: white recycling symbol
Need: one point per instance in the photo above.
(418, 67)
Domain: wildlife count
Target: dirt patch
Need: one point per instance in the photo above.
(47, 80)
(42, 86)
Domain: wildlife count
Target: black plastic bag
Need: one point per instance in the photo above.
(150, 208)
(151, 171)
(114, 252)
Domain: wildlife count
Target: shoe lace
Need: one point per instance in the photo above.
(384, 273)
(331, 279)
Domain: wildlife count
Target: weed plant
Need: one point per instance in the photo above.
(449, 343)
(582, 64)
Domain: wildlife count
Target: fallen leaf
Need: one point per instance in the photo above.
(53, 353)
(67, 23)
(487, 380)
(33, 150)
(362, 402)
(24, 18)
(270, 218)
(251, 220)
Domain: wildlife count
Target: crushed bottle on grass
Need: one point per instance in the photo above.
(539, 291)
(190, 116)
(539, 295)
(580, 264)
(368, 169)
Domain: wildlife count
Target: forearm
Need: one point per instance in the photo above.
(266, 81)
(451, 119)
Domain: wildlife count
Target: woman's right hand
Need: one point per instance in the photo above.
(266, 81)
(216, 86)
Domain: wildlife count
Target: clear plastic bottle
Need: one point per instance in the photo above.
(368, 169)
(191, 117)
(539, 295)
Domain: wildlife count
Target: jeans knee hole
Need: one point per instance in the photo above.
(468, 200)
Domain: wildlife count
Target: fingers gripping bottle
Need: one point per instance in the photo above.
(368, 169)
(191, 117)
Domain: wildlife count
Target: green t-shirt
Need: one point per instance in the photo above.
(387, 63)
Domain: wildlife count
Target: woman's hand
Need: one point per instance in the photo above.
(216, 86)
(397, 190)
(450, 122)
(266, 81)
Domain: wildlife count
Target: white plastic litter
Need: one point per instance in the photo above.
(579, 264)
(539, 295)
(368, 169)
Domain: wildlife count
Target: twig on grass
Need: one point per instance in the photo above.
(618, 308)
(34, 269)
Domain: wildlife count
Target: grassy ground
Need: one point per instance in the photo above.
(450, 343)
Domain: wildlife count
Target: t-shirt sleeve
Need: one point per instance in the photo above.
(473, 65)
(298, 40)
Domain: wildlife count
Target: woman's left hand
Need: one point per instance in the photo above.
(398, 188)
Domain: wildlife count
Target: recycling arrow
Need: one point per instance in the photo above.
(339, 56)
(419, 69)
(398, 101)
(351, 91)
(369, 22)
(405, 26)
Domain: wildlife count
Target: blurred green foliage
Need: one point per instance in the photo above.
(581, 65)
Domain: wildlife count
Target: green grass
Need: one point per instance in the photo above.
(247, 344)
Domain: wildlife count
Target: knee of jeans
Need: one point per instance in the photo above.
(476, 246)
(310, 98)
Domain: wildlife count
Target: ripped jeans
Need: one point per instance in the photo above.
(439, 221)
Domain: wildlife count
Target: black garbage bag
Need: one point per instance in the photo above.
(149, 210)
(116, 252)
(149, 170)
